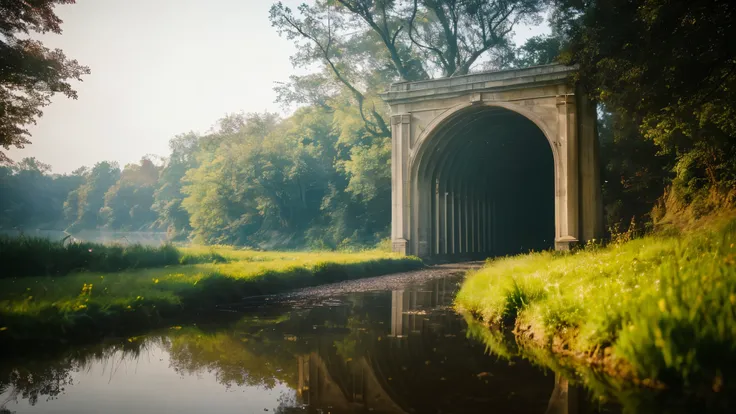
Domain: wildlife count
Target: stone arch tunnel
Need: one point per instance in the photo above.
(493, 163)
(492, 176)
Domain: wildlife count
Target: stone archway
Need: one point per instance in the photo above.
(437, 126)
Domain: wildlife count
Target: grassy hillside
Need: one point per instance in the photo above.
(661, 308)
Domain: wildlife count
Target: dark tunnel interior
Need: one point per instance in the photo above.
(492, 173)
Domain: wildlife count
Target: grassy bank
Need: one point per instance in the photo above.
(659, 308)
(33, 256)
(88, 305)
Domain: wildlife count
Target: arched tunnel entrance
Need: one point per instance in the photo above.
(493, 163)
(485, 186)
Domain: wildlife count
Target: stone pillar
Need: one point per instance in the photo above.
(400, 203)
(453, 221)
(436, 218)
(489, 206)
(422, 223)
(591, 199)
(568, 216)
(474, 221)
(444, 220)
(478, 225)
(460, 218)
(466, 219)
(482, 219)
(486, 224)
(494, 242)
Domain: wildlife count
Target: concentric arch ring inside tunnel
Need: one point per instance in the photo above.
(493, 163)
(491, 179)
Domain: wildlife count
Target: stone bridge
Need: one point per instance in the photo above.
(493, 163)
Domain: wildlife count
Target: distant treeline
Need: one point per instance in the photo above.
(256, 180)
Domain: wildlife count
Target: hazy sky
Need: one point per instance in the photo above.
(160, 68)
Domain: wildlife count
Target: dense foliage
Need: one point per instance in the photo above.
(30, 73)
(666, 68)
(256, 180)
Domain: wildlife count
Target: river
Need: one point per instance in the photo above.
(384, 345)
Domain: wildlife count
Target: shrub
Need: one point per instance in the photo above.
(33, 256)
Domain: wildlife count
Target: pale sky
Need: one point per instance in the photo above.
(160, 68)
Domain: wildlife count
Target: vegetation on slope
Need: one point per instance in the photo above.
(82, 306)
(660, 307)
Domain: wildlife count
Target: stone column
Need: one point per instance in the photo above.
(473, 223)
(568, 215)
(479, 225)
(453, 221)
(436, 217)
(422, 219)
(483, 228)
(489, 229)
(494, 242)
(444, 221)
(466, 219)
(400, 203)
(460, 219)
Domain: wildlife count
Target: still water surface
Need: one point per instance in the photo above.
(387, 345)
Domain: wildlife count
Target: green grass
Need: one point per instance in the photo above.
(33, 256)
(661, 308)
(80, 306)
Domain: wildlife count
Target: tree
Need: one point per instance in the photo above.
(30, 73)
(83, 205)
(538, 50)
(225, 194)
(319, 32)
(366, 44)
(671, 71)
(634, 173)
(31, 197)
(454, 34)
(168, 196)
(128, 203)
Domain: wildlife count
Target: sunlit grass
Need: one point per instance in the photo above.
(99, 302)
(665, 306)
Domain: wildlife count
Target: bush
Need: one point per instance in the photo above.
(33, 256)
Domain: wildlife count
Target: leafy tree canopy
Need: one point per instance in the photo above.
(668, 67)
(30, 73)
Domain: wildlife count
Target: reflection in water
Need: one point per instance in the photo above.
(404, 351)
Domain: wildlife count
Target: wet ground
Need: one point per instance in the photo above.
(390, 344)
